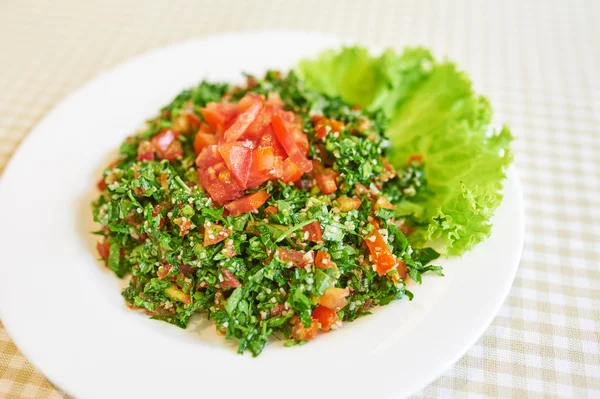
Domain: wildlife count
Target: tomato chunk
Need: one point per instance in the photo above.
(346, 204)
(290, 171)
(242, 122)
(166, 145)
(314, 232)
(296, 258)
(229, 279)
(325, 177)
(203, 140)
(383, 258)
(145, 151)
(238, 159)
(103, 248)
(302, 333)
(323, 261)
(214, 234)
(219, 183)
(219, 115)
(248, 203)
(325, 316)
(290, 146)
(334, 298)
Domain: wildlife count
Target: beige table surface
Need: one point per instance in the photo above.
(538, 61)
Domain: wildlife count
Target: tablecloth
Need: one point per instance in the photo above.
(537, 61)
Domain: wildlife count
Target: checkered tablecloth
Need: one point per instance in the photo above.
(539, 63)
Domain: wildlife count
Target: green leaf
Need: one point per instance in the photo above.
(433, 112)
(233, 300)
(322, 281)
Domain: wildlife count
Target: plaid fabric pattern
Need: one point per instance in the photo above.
(537, 61)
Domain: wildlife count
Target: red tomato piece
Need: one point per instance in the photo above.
(194, 120)
(166, 145)
(239, 126)
(314, 232)
(325, 316)
(334, 298)
(302, 333)
(219, 115)
(145, 151)
(101, 184)
(323, 261)
(325, 177)
(229, 279)
(297, 258)
(219, 183)
(418, 158)
(248, 203)
(203, 140)
(268, 139)
(238, 159)
(214, 234)
(209, 156)
(103, 248)
(383, 258)
(290, 146)
(290, 171)
(265, 159)
(402, 270)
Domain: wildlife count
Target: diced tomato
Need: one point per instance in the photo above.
(300, 139)
(238, 159)
(103, 248)
(203, 140)
(248, 203)
(315, 232)
(321, 123)
(166, 145)
(271, 210)
(323, 261)
(145, 151)
(101, 184)
(383, 202)
(290, 171)
(265, 158)
(418, 158)
(209, 156)
(290, 146)
(346, 204)
(325, 177)
(383, 258)
(325, 316)
(214, 234)
(334, 298)
(336, 126)
(219, 183)
(402, 270)
(301, 333)
(194, 120)
(269, 140)
(218, 115)
(259, 124)
(163, 271)
(243, 120)
(229, 279)
(297, 258)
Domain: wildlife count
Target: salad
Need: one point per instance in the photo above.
(301, 200)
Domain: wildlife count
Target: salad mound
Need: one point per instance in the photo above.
(284, 208)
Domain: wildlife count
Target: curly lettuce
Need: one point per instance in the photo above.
(433, 111)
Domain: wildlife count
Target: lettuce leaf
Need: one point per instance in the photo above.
(433, 111)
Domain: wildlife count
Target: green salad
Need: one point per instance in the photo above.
(301, 200)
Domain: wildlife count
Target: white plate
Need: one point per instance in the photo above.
(65, 312)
